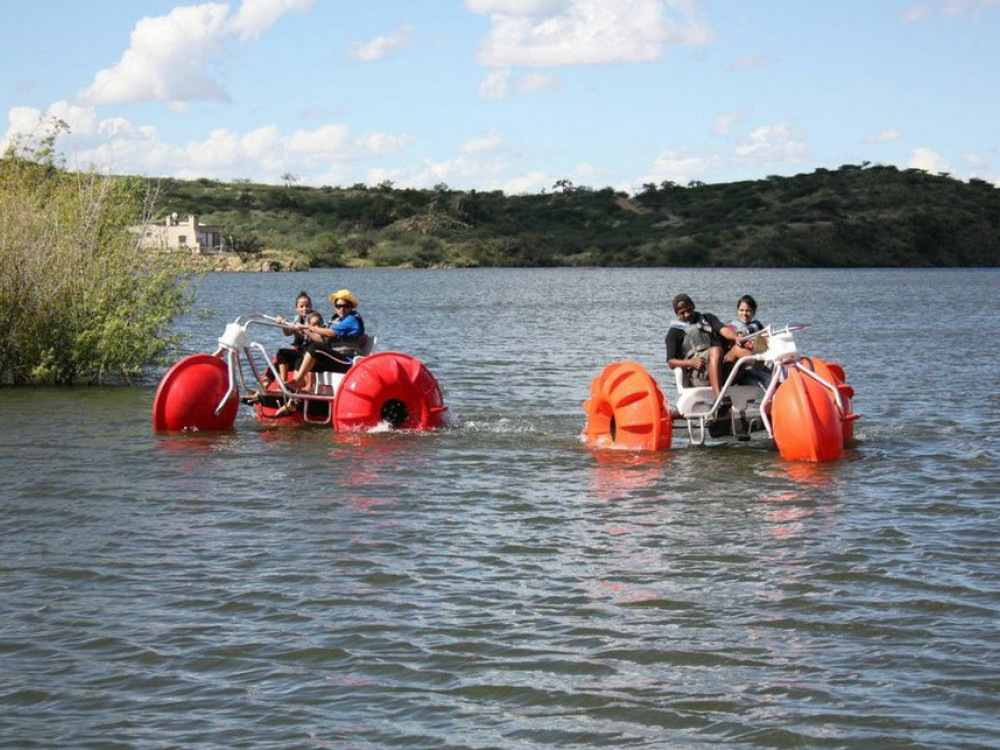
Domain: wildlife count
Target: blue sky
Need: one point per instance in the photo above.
(507, 94)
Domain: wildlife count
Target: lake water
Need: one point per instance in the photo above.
(496, 584)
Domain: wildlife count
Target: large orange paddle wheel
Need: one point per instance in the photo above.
(806, 422)
(834, 374)
(626, 409)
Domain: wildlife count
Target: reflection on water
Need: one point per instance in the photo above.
(496, 584)
(617, 474)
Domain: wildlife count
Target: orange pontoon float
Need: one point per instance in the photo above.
(801, 403)
(202, 391)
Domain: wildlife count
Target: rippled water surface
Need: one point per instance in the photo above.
(496, 584)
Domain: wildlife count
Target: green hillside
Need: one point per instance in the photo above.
(852, 216)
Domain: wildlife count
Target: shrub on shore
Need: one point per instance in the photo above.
(79, 302)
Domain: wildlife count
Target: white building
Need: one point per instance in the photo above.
(174, 234)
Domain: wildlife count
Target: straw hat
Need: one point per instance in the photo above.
(344, 294)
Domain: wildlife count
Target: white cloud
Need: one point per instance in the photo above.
(516, 7)
(485, 145)
(772, 144)
(976, 161)
(169, 56)
(222, 147)
(745, 63)
(496, 85)
(380, 144)
(483, 163)
(981, 167)
(724, 124)
(886, 136)
(924, 158)
(29, 121)
(328, 141)
(256, 16)
(259, 144)
(82, 120)
(21, 122)
(308, 153)
(766, 147)
(529, 182)
(119, 146)
(578, 32)
(535, 83)
(677, 166)
(593, 175)
(501, 82)
(118, 127)
(913, 14)
(166, 59)
(383, 45)
(922, 10)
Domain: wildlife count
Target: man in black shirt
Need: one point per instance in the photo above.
(694, 342)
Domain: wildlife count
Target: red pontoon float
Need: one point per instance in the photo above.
(202, 391)
(802, 403)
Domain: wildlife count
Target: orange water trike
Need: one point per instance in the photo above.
(802, 403)
(202, 391)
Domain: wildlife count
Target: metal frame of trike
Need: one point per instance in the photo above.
(781, 354)
(234, 341)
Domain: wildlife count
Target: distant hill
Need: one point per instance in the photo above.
(854, 216)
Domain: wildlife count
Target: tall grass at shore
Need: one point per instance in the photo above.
(80, 302)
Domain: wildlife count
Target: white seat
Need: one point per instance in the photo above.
(698, 400)
(367, 345)
(326, 383)
(692, 399)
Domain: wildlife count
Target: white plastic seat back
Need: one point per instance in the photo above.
(367, 345)
(326, 383)
(698, 400)
(692, 399)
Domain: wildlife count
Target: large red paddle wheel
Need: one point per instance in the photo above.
(194, 395)
(390, 388)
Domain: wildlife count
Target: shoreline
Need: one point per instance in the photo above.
(230, 262)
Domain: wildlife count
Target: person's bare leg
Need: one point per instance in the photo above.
(737, 352)
(715, 368)
(308, 363)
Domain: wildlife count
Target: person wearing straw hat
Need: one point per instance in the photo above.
(288, 358)
(333, 347)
